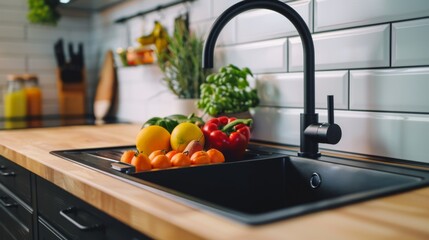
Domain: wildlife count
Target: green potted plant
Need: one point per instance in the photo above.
(181, 63)
(43, 11)
(228, 92)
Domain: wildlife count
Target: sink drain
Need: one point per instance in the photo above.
(315, 180)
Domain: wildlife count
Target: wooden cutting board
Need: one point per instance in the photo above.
(106, 88)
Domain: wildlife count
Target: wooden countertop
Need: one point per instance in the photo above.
(401, 216)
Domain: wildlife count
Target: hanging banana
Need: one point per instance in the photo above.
(158, 37)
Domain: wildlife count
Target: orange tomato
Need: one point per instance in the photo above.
(141, 162)
(216, 156)
(200, 157)
(171, 153)
(156, 153)
(127, 156)
(180, 160)
(160, 161)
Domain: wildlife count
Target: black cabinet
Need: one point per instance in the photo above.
(15, 207)
(11, 228)
(16, 212)
(34, 208)
(75, 219)
(47, 232)
(15, 178)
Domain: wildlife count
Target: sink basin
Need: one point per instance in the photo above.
(271, 184)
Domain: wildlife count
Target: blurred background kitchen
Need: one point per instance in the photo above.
(373, 55)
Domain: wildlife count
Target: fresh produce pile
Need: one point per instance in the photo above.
(178, 141)
(170, 122)
(228, 135)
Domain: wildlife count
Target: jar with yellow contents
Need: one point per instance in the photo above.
(15, 103)
(34, 100)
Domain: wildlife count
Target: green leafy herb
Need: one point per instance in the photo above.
(181, 64)
(228, 91)
(43, 11)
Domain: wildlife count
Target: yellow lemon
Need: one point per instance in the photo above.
(152, 138)
(184, 133)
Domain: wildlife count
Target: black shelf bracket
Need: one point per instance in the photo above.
(158, 8)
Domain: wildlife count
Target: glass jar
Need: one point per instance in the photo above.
(34, 99)
(15, 102)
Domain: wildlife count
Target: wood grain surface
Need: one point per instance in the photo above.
(106, 88)
(401, 216)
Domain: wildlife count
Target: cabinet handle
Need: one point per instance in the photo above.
(73, 210)
(6, 204)
(7, 173)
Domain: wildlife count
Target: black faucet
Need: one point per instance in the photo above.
(312, 132)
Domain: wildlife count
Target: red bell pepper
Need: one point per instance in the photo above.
(228, 135)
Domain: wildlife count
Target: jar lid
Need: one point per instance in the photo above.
(14, 77)
(29, 76)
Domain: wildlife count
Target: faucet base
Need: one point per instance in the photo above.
(309, 155)
(309, 146)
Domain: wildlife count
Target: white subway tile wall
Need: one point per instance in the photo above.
(226, 37)
(410, 43)
(13, 15)
(393, 90)
(401, 136)
(371, 54)
(358, 47)
(336, 14)
(345, 49)
(28, 48)
(201, 10)
(265, 24)
(261, 57)
(12, 32)
(221, 5)
(287, 89)
(277, 125)
(14, 63)
(13, 3)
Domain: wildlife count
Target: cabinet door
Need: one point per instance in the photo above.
(75, 219)
(16, 179)
(5, 234)
(47, 232)
(15, 207)
(11, 228)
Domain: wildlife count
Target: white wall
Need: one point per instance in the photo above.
(371, 54)
(28, 48)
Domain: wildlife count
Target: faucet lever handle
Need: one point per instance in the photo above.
(330, 109)
(325, 132)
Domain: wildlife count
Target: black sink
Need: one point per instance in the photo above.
(269, 185)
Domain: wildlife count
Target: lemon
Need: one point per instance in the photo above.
(152, 138)
(184, 133)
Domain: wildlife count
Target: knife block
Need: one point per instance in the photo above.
(71, 95)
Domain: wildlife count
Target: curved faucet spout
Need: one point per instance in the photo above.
(311, 131)
(293, 17)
